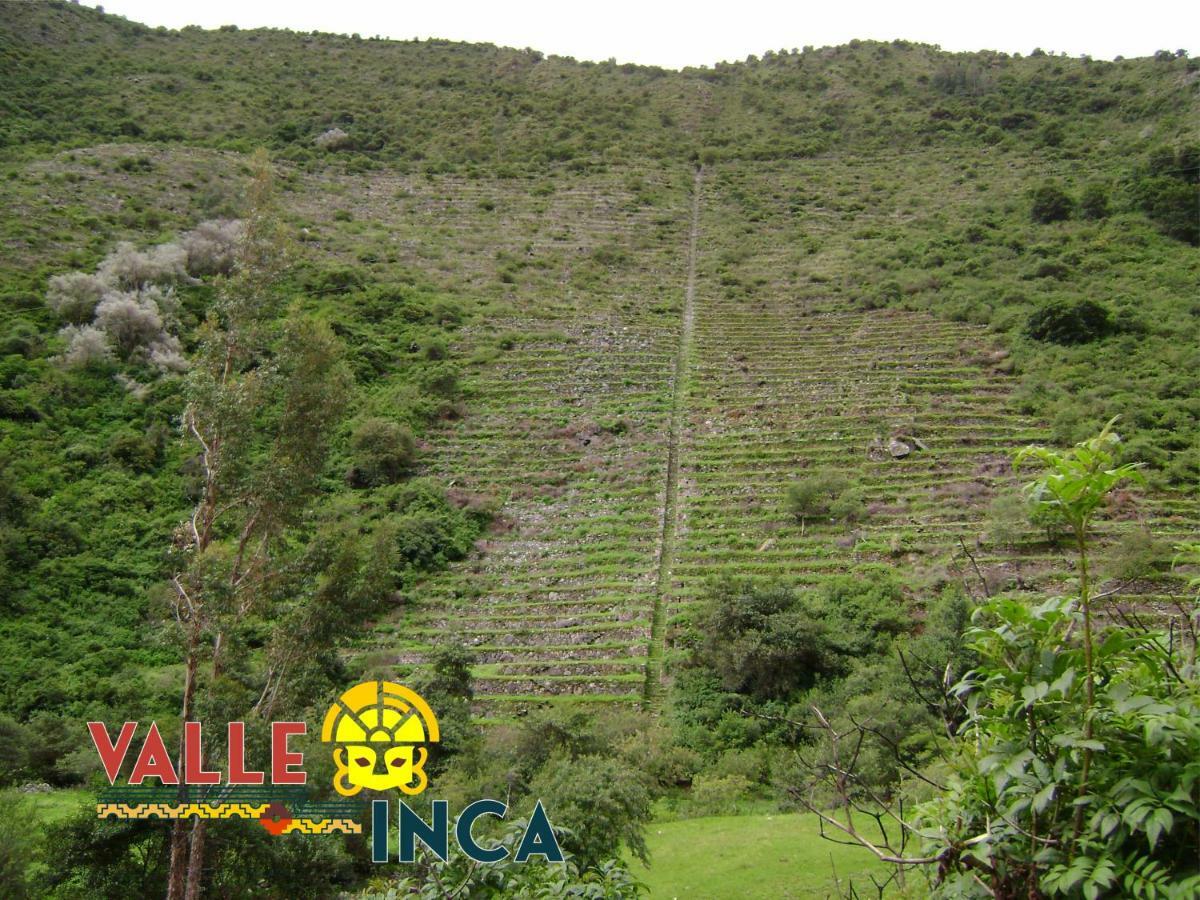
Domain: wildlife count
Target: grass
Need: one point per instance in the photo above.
(58, 804)
(769, 855)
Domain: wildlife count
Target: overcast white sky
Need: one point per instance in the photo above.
(676, 34)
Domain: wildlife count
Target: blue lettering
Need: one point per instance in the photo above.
(432, 836)
(539, 838)
(462, 830)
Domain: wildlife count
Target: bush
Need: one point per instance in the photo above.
(166, 354)
(333, 139)
(759, 642)
(1136, 554)
(134, 451)
(848, 506)
(383, 452)
(130, 268)
(17, 845)
(87, 346)
(13, 753)
(74, 296)
(335, 281)
(824, 494)
(131, 320)
(1008, 519)
(1094, 203)
(718, 795)
(1051, 203)
(440, 380)
(211, 246)
(1070, 322)
(1171, 203)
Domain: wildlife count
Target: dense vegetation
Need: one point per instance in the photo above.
(659, 421)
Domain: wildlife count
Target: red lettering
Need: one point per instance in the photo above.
(111, 756)
(153, 761)
(237, 757)
(193, 757)
(282, 758)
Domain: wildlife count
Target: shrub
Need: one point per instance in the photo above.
(435, 348)
(211, 246)
(1137, 554)
(848, 506)
(333, 139)
(18, 845)
(767, 641)
(757, 640)
(718, 795)
(130, 268)
(440, 380)
(166, 354)
(1051, 203)
(1171, 203)
(74, 296)
(131, 320)
(824, 494)
(335, 281)
(134, 450)
(1008, 519)
(1094, 203)
(383, 451)
(13, 753)
(86, 346)
(446, 313)
(1070, 322)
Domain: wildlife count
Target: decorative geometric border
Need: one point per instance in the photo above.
(224, 811)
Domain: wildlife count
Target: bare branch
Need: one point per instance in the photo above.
(975, 565)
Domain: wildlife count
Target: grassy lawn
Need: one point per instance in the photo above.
(56, 805)
(773, 856)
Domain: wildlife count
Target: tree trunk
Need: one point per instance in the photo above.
(179, 836)
(195, 870)
(195, 862)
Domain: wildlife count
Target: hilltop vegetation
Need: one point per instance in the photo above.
(674, 405)
(442, 106)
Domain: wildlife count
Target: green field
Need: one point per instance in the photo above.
(752, 856)
(54, 806)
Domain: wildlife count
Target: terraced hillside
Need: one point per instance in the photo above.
(643, 444)
(586, 390)
(566, 425)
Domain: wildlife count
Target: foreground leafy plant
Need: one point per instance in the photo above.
(460, 877)
(1075, 770)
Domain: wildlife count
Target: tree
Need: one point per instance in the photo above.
(757, 640)
(261, 408)
(599, 802)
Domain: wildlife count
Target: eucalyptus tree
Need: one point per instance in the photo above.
(265, 391)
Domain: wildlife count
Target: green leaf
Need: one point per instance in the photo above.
(1043, 797)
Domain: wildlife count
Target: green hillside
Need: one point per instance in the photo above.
(675, 404)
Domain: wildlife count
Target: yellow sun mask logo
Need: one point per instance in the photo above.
(381, 729)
